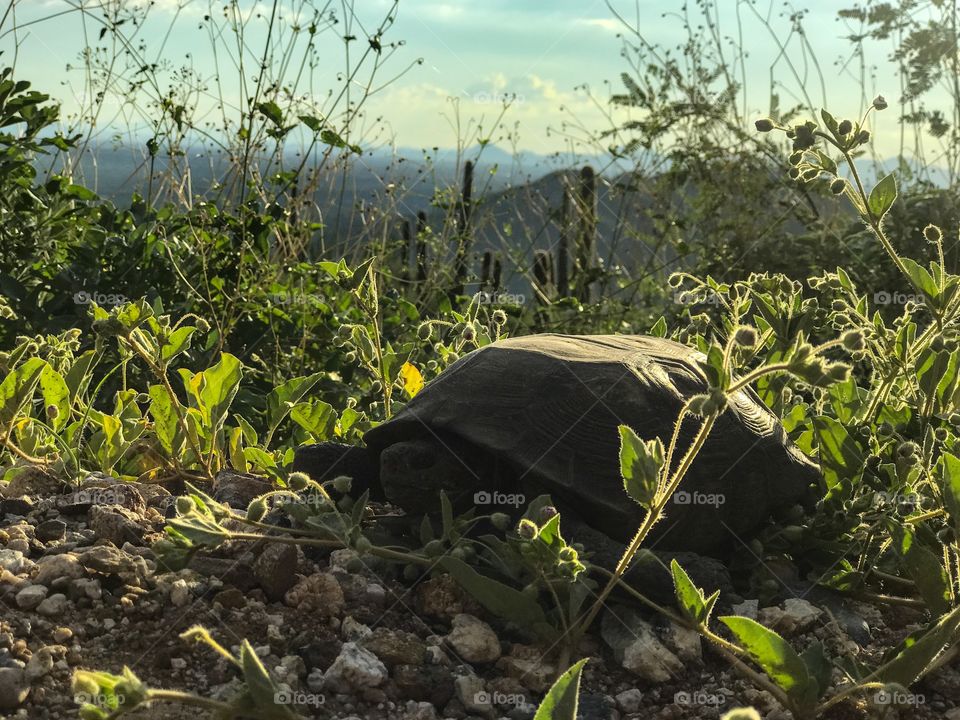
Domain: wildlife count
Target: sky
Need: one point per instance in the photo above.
(557, 60)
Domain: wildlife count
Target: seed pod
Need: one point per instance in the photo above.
(185, 505)
(547, 512)
(434, 548)
(425, 331)
(764, 125)
(838, 186)
(745, 336)
(853, 341)
(501, 521)
(499, 317)
(863, 137)
(342, 484)
(880, 103)
(844, 127)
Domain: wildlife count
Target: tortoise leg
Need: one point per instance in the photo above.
(327, 460)
(649, 573)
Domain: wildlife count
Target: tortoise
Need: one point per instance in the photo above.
(540, 413)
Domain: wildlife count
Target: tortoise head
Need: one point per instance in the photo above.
(413, 472)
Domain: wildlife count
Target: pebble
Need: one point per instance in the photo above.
(50, 530)
(14, 688)
(53, 567)
(629, 701)
(354, 668)
(276, 569)
(54, 605)
(13, 561)
(31, 596)
(179, 593)
(473, 640)
(318, 594)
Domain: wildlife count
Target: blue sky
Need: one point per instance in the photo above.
(474, 53)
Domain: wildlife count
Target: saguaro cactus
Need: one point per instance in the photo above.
(464, 207)
(563, 245)
(587, 233)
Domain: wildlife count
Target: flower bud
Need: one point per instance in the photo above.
(500, 521)
(256, 510)
(844, 127)
(880, 103)
(745, 336)
(527, 529)
(764, 125)
(838, 186)
(425, 331)
(298, 481)
(933, 234)
(499, 317)
(185, 505)
(547, 512)
(342, 484)
(863, 137)
(853, 341)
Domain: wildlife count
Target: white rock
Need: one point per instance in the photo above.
(351, 629)
(803, 613)
(637, 647)
(748, 609)
(473, 640)
(179, 593)
(315, 680)
(355, 668)
(419, 711)
(14, 562)
(40, 663)
(178, 663)
(53, 567)
(629, 700)
(31, 596)
(472, 692)
(684, 642)
(53, 605)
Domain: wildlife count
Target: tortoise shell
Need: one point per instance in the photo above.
(548, 406)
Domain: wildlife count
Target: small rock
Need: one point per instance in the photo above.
(315, 681)
(629, 701)
(40, 664)
(319, 593)
(352, 630)
(474, 640)
(238, 489)
(31, 596)
(355, 668)
(684, 642)
(419, 711)
(424, 683)
(110, 560)
(395, 647)
(14, 688)
(527, 664)
(231, 598)
(441, 597)
(276, 569)
(53, 567)
(62, 634)
(19, 506)
(179, 593)
(748, 609)
(50, 530)
(637, 647)
(472, 692)
(116, 524)
(796, 616)
(14, 562)
(53, 605)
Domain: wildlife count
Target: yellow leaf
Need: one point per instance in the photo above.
(412, 379)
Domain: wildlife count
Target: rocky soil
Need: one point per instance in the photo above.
(79, 589)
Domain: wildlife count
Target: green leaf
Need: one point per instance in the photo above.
(659, 328)
(17, 389)
(925, 569)
(882, 196)
(165, 419)
(840, 455)
(56, 395)
(950, 486)
(910, 660)
(256, 679)
(640, 465)
(283, 398)
(691, 599)
(78, 372)
(177, 342)
(562, 698)
(502, 600)
(219, 386)
(921, 278)
(316, 417)
(272, 111)
(780, 661)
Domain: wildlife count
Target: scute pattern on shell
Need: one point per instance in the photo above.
(549, 406)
